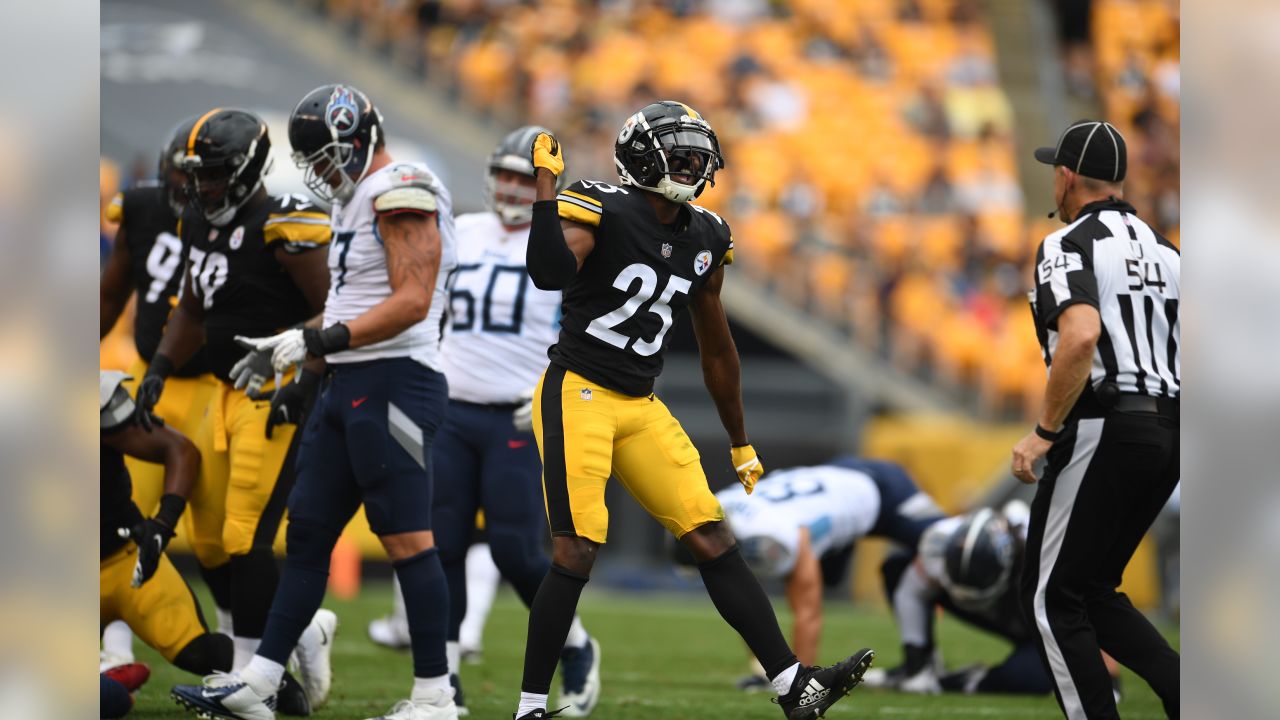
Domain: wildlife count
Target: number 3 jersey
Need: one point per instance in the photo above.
(619, 308)
(149, 228)
(238, 279)
(358, 278)
(499, 325)
(836, 504)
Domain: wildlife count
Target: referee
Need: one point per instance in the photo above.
(1106, 303)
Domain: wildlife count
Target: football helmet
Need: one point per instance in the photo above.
(668, 148)
(979, 560)
(333, 131)
(226, 157)
(172, 177)
(510, 201)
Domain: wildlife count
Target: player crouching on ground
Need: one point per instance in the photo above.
(136, 581)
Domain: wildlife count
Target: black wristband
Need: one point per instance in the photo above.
(171, 508)
(160, 365)
(332, 339)
(1047, 434)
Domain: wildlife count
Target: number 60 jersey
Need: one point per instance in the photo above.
(641, 274)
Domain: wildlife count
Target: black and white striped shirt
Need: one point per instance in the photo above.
(1110, 259)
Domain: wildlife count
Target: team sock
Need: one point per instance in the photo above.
(263, 675)
(426, 688)
(783, 681)
(742, 602)
(245, 648)
(219, 581)
(550, 616)
(453, 654)
(426, 601)
(254, 576)
(530, 702)
(117, 640)
(577, 636)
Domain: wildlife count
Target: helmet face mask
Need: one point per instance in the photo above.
(334, 132)
(173, 178)
(226, 159)
(509, 185)
(669, 149)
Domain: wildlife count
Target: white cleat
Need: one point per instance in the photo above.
(580, 675)
(225, 695)
(314, 648)
(390, 631)
(436, 707)
(924, 682)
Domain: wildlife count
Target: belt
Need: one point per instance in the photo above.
(493, 407)
(1134, 403)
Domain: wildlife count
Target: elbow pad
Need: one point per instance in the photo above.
(550, 262)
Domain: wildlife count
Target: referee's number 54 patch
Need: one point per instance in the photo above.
(1059, 265)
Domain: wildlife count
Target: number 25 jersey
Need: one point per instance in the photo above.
(619, 308)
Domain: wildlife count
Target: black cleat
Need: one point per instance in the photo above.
(291, 698)
(538, 714)
(816, 689)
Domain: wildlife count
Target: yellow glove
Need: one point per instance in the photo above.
(548, 154)
(747, 464)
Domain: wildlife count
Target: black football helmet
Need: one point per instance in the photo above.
(513, 203)
(333, 131)
(226, 156)
(668, 148)
(979, 560)
(172, 177)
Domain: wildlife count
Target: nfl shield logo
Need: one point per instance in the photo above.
(666, 250)
(585, 394)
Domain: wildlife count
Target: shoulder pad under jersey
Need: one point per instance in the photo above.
(297, 222)
(410, 189)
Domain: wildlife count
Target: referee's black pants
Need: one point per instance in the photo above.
(1107, 478)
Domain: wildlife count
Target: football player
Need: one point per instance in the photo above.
(147, 257)
(485, 455)
(255, 265)
(628, 258)
(967, 566)
(136, 581)
(370, 435)
(801, 524)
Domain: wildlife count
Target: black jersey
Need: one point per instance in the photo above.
(617, 311)
(243, 287)
(151, 231)
(116, 509)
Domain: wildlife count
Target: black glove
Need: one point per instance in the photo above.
(149, 391)
(293, 402)
(152, 536)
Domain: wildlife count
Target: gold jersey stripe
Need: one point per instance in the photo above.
(728, 257)
(582, 197)
(115, 210)
(296, 232)
(576, 213)
(302, 217)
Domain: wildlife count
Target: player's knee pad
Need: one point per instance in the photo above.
(206, 654)
(309, 544)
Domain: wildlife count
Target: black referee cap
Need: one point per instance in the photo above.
(1093, 148)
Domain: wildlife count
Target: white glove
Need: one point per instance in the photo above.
(252, 371)
(522, 418)
(287, 348)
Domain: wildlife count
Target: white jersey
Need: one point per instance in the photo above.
(836, 504)
(358, 267)
(499, 325)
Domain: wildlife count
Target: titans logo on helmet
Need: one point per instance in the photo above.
(342, 112)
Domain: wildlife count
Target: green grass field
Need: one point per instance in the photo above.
(664, 656)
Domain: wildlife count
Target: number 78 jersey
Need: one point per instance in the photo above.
(618, 310)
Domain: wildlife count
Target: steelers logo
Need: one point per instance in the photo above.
(702, 262)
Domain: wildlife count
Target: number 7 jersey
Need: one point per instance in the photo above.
(618, 310)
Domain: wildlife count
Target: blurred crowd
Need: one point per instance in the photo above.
(871, 177)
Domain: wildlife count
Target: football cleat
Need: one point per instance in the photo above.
(313, 651)
(438, 706)
(538, 714)
(965, 680)
(816, 689)
(390, 631)
(458, 698)
(472, 655)
(291, 698)
(580, 679)
(224, 695)
(754, 683)
(131, 675)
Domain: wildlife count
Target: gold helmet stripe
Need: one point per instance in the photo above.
(690, 111)
(195, 130)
